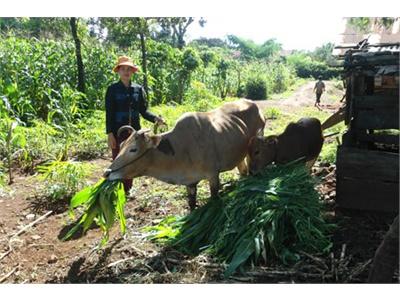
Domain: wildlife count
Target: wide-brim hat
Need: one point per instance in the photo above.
(125, 61)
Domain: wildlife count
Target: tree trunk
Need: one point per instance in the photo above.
(81, 70)
(239, 82)
(144, 61)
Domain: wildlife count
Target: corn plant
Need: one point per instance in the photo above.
(63, 178)
(2, 178)
(11, 144)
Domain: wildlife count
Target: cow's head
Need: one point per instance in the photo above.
(262, 152)
(133, 158)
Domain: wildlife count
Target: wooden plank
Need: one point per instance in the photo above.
(376, 119)
(387, 139)
(376, 101)
(387, 59)
(367, 194)
(367, 164)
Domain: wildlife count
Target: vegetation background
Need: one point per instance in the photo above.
(54, 73)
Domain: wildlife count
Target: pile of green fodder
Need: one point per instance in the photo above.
(268, 217)
(103, 203)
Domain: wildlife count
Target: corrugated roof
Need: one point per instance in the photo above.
(373, 48)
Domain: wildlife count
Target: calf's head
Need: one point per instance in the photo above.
(133, 157)
(262, 152)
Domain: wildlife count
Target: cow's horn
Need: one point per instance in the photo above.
(124, 128)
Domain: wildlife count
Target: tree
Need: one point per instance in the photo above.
(81, 70)
(120, 31)
(125, 32)
(207, 57)
(210, 42)
(222, 77)
(143, 31)
(324, 53)
(250, 50)
(364, 23)
(269, 49)
(247, 48)
(55, 28)
(173, 30)
(189, 62)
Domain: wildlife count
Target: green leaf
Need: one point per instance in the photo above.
(242, 253)
(107, 208)
(81, 197)
(121, 199)
(90, 214)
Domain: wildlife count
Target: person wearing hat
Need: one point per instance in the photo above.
(125, 102)
(319, 88)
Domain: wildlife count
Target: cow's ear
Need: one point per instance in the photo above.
(153, 141)
(166, 147)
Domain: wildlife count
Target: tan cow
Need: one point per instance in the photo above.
(200, 146)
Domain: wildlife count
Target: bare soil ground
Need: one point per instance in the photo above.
(38, 256)
(304, 96)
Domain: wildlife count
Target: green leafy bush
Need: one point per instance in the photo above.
(307, 67)
(256, 88)
(200, 98)
(89, 139)
(62, 179)
(328, 153)
(272, 113)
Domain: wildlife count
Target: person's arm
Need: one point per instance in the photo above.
(110, 114)
(143, 109)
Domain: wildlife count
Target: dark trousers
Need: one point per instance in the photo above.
(318, 97)
(127, 182)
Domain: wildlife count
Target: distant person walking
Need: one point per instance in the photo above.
(319, 88)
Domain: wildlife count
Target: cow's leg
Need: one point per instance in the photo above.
(192, 193)
(242, 167)
(310, 163)
(214, 185)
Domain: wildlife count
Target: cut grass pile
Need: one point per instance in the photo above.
(264, 218)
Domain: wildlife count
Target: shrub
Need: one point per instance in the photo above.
(328, 153)
(272, 113)
(89, 140)
(200, 98)
(63, 178)
(307, 67)
(256, 88)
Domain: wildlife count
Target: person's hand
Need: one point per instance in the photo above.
(112, 142)
(160, 121)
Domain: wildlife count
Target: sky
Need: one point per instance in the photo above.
(296, 24)
(293, 33)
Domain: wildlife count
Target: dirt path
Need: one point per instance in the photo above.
(304, 96)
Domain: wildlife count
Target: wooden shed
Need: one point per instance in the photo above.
(367, 165)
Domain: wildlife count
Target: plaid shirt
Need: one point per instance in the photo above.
(120, 100)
